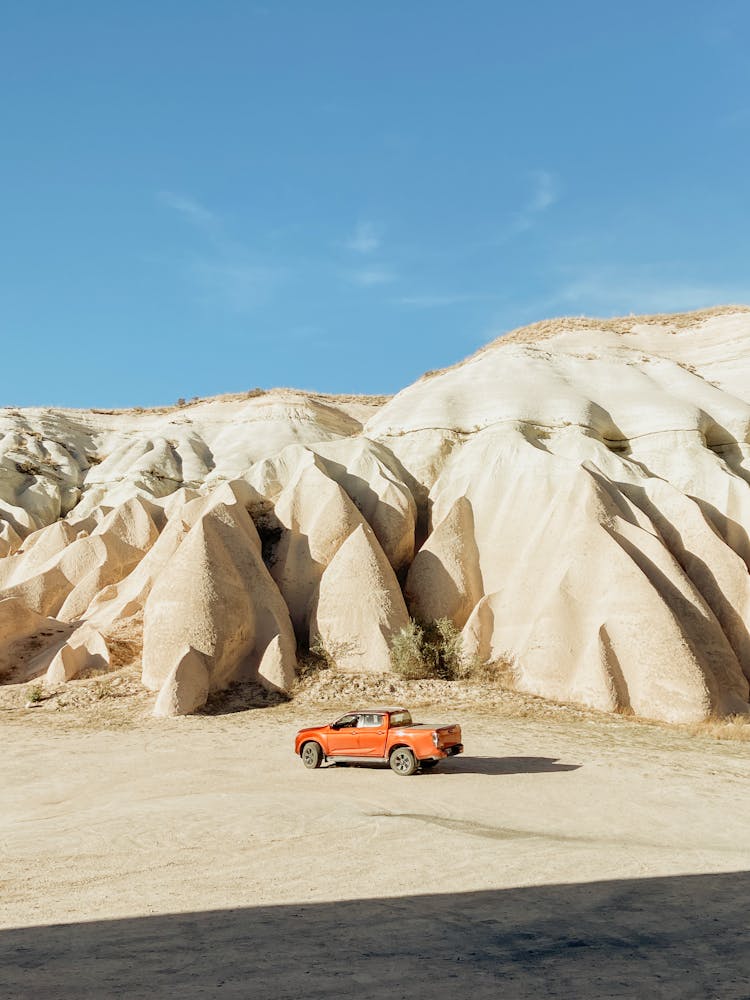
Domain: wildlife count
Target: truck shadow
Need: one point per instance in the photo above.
(476, 765)
(502, 765)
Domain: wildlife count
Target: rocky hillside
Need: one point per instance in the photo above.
(575, 497)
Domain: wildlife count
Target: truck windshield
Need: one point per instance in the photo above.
(400, 718)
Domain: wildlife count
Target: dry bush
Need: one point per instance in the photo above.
(427, 650)
(27, 468)
(311, 661)
(500, 672)
(269, 528)
(733, 727)
(318, 657)
(329, 655)
(104, 689)
(123, 652)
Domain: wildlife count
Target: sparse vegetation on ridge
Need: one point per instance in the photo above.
(548, 328)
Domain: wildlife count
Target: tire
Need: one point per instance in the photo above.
(311, 754)
(403, 761)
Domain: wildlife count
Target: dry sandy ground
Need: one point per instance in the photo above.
(570, 857)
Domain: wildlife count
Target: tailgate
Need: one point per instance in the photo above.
(448, 736)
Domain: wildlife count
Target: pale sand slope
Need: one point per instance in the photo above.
(556, 858)
(575, 497)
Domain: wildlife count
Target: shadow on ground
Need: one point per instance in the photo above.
(241, 696)
(502, 765)
(481, 765)
(683, 937)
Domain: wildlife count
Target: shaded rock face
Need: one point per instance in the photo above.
(575, 498)
(445, 578)
(85, 650)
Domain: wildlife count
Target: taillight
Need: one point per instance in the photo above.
(436, 739)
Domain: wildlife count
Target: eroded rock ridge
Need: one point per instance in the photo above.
(575, 498)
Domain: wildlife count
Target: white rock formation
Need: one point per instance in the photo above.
(23, 633)
(359, 607)
(59, 570)
(445, 579)
(186, 686)
(315, 517)
(216, 596)
(86, 649)
(575, 497)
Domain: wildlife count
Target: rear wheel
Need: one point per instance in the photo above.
(311, 755)
(403, 761)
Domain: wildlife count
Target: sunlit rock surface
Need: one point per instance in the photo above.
(575, 497)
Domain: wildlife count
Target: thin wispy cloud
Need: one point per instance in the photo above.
(225, 274)
(369, 277)
(433, 301)
(545, 194)
(189, 208)
(367, 238)
(546, 191)
(607, 293)
(235, 286)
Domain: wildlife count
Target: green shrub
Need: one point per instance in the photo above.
(446, 640)
(427, 650)
(36, 694)
(408, 652)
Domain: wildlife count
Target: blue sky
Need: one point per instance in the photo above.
(207, 197)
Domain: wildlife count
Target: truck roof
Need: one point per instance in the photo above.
(380, 708)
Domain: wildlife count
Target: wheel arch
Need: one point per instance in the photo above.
(311, 739)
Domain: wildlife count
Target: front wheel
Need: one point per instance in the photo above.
(403, 761)
(311, 755)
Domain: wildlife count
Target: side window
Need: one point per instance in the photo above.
(400, 719)
(370, 721)
(347, 722)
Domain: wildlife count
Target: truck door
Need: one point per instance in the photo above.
(342, 739)
(372, 734)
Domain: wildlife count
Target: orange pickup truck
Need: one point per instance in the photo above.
(379, 736)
